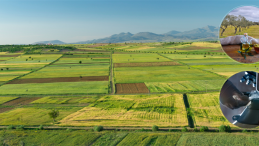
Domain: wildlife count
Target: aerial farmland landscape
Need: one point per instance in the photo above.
(119, 86)
(129, 73)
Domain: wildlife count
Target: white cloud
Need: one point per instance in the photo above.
(249, 12)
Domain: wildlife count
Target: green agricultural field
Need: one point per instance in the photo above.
(4, 59)
(71, 70)
(127, 58)
(194, 57)
(64, 100)
(110, 139)
(52, 137)
(132, 110)
(6, 99)
(20, 67)
(83, 60)
(10, 72)
(194, 47)
(208, 61)
(185, 86)
(145, 139)
(92, 87)
(161, 74)
(105, 138)
(33, 115)
(205, 139)
(87, 55)
(7, 78)
(34, 58)
(228, 70)
(206, 110)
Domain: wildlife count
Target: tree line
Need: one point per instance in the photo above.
(238, 22)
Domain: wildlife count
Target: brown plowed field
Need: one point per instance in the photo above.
(21, 101)
(145, 64)
(81, 63)
(60, 79)
(131, 88)
(4, 109)
(9, 55)
(231, 51)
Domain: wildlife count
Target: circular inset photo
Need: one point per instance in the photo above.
(239, 34)
(239, 99)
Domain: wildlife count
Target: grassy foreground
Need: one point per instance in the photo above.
(112, 138)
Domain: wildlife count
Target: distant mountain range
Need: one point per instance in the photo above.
(206, 33)
(50, 42)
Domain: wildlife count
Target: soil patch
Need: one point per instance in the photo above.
(81, 63)
(131, 88)
(4, 109)
(60, 79)
(231, 51)
(145, 64)
(21, 101)
(9, 55)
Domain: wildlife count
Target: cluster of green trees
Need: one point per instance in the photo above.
(175, 43)
(238, 22)
(11, 48)
(15, 48)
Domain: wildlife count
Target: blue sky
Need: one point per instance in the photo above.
(72, 21)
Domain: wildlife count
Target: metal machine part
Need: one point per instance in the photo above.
(231, 97)
(249, 78)
(249, 118)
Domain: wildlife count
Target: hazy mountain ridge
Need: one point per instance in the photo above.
(206, 33)
(50, 42)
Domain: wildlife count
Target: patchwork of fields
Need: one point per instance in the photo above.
(63, 77)
(149, 80)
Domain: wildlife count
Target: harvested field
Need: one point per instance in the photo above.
(60, 79)
(131, 88)
(145, 64)
(21, 101)
(231, 51)
(5, 109)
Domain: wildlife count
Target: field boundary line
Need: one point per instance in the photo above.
(187, 108)
(111, 75)
(211, 129)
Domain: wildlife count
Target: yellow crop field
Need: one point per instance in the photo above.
(206, 110)
(132, 110)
